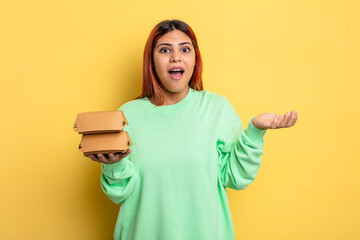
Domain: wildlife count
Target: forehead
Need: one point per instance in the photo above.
(174, 37)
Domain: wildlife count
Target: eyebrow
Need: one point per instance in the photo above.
(169, 44)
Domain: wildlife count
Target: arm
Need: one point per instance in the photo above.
(239, 152)
(118, 179)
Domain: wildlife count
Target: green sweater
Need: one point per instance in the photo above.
(172, 186)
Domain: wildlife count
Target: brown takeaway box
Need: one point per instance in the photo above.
(100, 122)
(105, 143)
(102, 132)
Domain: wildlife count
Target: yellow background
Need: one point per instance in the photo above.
(59, 58)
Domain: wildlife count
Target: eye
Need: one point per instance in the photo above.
(185, 49)
(164, 50)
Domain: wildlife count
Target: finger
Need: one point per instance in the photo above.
(274, 123)
(93, 157)
(102, 158)
(285, 121)
(279, 121)
(296, 117)
(290, 119)
(291, 115)
(126, 153)
(120, 155)
(293, 118)
(112, 157)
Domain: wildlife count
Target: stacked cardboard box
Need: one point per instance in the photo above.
(102, 132)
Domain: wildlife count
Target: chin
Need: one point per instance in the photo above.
(176, 89)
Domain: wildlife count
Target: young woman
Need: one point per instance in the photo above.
(189, 145)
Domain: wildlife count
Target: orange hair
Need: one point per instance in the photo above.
(150, 83)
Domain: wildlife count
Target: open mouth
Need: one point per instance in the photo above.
(176, 73)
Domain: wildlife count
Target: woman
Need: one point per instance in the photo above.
(189, 145)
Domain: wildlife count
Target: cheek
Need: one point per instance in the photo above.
(191, 62)
(160, 71)
(160, 66)
(156, 65)
(191, 66)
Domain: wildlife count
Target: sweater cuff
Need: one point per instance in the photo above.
(256, 135)
(114, 168)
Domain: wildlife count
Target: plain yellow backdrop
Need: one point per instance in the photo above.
(59, 58)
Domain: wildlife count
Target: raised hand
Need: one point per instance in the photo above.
(274, 121)
(111, 158)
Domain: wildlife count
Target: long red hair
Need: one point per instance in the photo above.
(150, 83)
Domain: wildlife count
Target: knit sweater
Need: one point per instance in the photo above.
(172, 186)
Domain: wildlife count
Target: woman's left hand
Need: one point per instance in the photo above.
(274, 121)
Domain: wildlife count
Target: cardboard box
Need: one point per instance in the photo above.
(102, 132)
(100, 122)
(105, 143)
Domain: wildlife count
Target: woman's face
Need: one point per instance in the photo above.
(174, 60)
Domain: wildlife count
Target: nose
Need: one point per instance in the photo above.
(174, 57)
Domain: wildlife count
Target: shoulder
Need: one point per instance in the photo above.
(131, 107)
(218, 106)
(215, 100)
(133, 111)
(130, 104)
(221, 106)
(227, 120)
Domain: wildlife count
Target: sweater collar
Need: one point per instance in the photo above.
(168, 109)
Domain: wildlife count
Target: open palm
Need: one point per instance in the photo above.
(274, 121)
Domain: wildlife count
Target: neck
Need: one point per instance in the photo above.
(173, 98)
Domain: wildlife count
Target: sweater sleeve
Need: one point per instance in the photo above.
(239, 151)
(118, 179)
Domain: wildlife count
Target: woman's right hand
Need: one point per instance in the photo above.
(113, 157)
